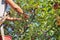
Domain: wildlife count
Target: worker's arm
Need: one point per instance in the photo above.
(16, 7)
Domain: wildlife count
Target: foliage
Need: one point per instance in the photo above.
(40, 26)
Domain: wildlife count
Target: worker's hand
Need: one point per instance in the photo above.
(16, 8)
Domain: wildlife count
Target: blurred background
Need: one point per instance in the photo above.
(43, 23)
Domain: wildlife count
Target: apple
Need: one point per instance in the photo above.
(6, 37)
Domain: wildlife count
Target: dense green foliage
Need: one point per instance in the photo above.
(40, 26)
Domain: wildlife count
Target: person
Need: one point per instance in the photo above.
(13, 5)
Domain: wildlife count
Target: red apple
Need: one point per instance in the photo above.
(6, 37)
(56, 5)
